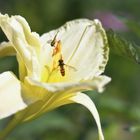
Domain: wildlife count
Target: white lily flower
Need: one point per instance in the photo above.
(54, 69)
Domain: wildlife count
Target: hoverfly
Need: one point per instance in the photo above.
(61, 65)
(56, 44)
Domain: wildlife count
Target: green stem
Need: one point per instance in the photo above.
(16, 120)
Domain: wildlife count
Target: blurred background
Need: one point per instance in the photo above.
(119, 105)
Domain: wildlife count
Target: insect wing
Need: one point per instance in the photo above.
(70, 68)
(49, 41)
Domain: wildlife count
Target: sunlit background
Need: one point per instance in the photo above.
(119, 105)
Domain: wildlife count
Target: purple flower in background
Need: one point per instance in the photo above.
(109, 20)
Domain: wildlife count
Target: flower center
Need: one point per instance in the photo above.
(57, 70)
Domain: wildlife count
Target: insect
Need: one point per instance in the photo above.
(56, 44)
(57, 52)
(54, 41)
(61, 65)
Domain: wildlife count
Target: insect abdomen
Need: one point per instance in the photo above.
(62, 70)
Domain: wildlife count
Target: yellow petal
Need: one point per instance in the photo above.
(96, 84)
(49, 96)
(15, 34)
(21, 68)
(58, 90)
(10, 95)
(84, 47)
(6, 49)
(45, 97)
(32, 38)
(23, 40)
(84, 100)
(62, 94)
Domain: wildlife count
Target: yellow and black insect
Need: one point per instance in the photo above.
(61, 65)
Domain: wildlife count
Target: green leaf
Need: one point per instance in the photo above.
(123, 47)
(134, 26)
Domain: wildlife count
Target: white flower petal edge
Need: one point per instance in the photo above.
(10, 95)
(97, 83)
(84, 100)
(6, 49)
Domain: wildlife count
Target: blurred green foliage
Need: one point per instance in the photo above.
(119, 105)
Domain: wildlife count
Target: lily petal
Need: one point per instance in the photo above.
(22, 68)
(32, 38)
(84, 100)
(15, 34)
(10, 95)
(45, 97)
(41, 90)
(84, 47)
(23, 40)
(96, 84)
(6, 49)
